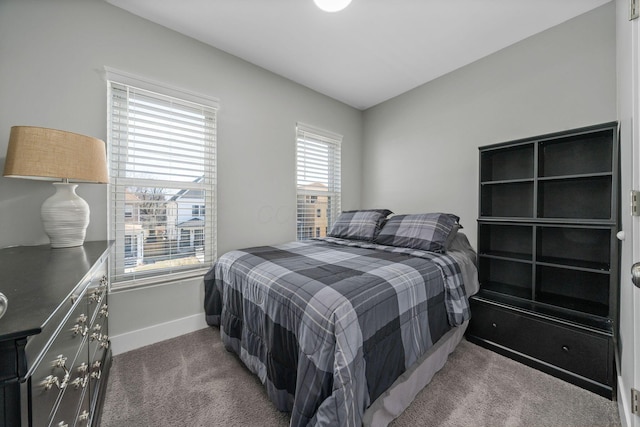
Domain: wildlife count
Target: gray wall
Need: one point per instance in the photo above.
(420, 152)
(52, 58)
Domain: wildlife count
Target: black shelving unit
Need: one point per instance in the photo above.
(548, 254)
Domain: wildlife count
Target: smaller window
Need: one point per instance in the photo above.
(198, 239)
(318, 213)
(197, 210)
(317, 231)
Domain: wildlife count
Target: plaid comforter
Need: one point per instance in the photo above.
(329, 324)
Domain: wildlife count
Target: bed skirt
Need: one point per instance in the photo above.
(389, 405)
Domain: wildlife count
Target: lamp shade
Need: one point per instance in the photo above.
(50, 154)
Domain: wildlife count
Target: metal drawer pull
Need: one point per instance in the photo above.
(4, 303)
(50, 381)
(565, 349)
(60, 362)
(95, 296)
(97, 371)
(104, 342)
(79, 382)
(494, 325)
(79, 329)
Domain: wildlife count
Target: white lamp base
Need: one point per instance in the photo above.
(65, 216)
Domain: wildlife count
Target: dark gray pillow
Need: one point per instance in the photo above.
(428, 232)
(359, 224)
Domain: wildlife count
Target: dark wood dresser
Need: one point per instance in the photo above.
(54, 343)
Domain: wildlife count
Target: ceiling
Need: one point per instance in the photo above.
(371, 51)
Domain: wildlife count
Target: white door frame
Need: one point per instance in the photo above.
(625, 275)
(628, 94)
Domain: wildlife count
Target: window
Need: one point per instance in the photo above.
(162, 192)
(197, 210)
(317, 180)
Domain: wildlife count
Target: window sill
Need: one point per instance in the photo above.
(163, 280)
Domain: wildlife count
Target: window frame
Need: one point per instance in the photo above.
(118, 278)
(306, 134)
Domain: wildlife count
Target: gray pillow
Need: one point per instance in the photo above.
(359, 224)
(428, 232)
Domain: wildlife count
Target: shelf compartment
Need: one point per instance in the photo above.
(507, 200)
(508, 241)
(588, 248)
(579, 198)
(577, 154)
(507, 164)
(584, 291)
(507, 277)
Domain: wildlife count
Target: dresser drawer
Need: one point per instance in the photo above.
(572, 349)
(58, 367)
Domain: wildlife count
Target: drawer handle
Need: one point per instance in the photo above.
(97, 372)
(104, 342)
(79, 382)
(79, 329)
(84, 416)
(50, 381)
(565, 349)
(61, 362)
(95, 296)
(494, 325)
(4, 303)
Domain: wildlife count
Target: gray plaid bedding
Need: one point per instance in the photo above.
(329, 324)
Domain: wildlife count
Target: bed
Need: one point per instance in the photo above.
(345, 330)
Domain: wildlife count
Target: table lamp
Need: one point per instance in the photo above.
(55, 155)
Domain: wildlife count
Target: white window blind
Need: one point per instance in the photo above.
(163, 177)
(318, 180)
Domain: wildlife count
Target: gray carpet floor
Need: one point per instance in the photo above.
(193, 381)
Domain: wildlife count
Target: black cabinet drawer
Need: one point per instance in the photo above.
(571, 349)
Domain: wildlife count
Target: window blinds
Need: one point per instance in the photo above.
(318, 180)
(162, 190)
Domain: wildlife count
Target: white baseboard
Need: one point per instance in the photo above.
(156, 333)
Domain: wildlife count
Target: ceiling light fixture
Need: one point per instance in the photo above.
(332, 5)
